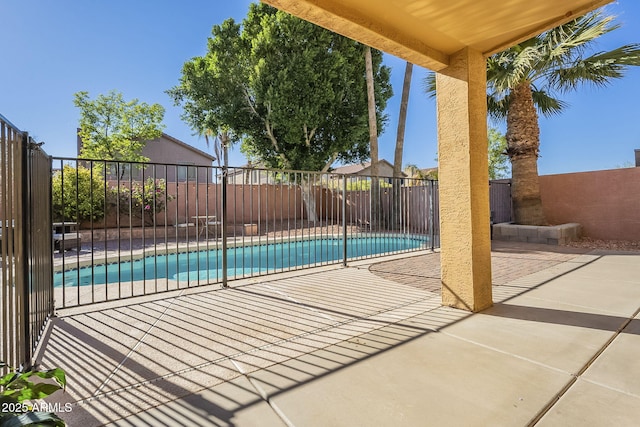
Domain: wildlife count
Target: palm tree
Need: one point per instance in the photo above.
(528, 75)
(414, 173)
(373, 140)
(402, 121)
(397, 158)
(524, 79)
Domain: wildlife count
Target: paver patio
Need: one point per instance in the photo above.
(365, 345)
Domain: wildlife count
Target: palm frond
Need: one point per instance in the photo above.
(546, 104)
(598, 69)
(624, 55)
(572, 38)
(497, 107)
(429, 84)
(556, 60)
(506, 69)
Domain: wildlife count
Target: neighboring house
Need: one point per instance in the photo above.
(385, 170)
(186, 163)
(251, 173)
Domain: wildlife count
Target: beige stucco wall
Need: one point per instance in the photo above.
(606, 203)
(164, 150)
(464, 183)
(171, 155)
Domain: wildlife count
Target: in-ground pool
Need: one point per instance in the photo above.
(241, 261)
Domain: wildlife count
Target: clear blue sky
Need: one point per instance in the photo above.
(52, 49)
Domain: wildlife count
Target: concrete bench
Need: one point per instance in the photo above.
(66, 241)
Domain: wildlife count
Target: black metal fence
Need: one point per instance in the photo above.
(129, 229)
(25, 245)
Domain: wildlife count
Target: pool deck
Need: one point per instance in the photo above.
(365, 345)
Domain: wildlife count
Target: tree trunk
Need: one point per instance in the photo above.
(402, 121)
(373, 141)
(309, 199)
(396, 201)
(247, 173)
(523, 144)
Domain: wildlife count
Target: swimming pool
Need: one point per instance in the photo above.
(241, 261)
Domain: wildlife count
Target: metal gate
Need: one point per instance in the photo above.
(26, 270)
(500, 200)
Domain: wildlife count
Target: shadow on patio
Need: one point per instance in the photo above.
(365, 345)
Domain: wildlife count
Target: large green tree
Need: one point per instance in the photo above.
(526, 79)
(293, 93)
(114, 129)
(498, 160)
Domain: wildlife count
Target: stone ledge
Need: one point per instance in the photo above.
(550, 235)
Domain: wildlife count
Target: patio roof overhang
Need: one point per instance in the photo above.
(428, 32)
(453, 38)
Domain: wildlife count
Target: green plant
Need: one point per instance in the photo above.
(365, 184)
(114, 129)
(144, 201)
(78, 194)
(292, 92)
(498, 160)
(17, 394)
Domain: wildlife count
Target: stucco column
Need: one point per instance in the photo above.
(463, 173)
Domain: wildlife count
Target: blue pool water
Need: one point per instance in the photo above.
(241, 261)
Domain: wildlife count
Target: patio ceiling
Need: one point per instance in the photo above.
(427, 32)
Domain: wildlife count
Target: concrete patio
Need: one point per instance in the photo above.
(367, 345)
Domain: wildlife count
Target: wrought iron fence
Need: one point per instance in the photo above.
(128, 229)
(25, 245)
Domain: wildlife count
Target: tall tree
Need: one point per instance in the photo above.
(114, 129)
(371, 108)
(413, 171)
(292, 92)
(402, 120)
(525, 79)
(373, 140)
(397, 158)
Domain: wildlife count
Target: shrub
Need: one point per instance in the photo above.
(77, 194)
(143, 201)
(17, 394)
(365, 184)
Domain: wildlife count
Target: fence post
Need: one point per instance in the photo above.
(344, 220)
(225, 172)
(26, 233)
(432, 214)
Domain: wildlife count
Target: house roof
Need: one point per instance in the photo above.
(237, 170)
(428, 32)
(351, 169)
(360, 167)
(165, 136)
(189, 147)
